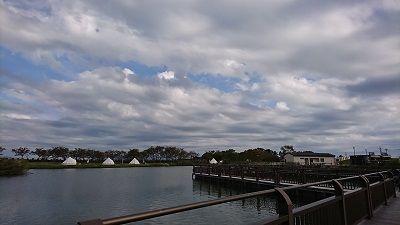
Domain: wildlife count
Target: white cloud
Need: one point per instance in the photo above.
(167, 75)
(324, 39)
(16, 116)
(127, 72)
(114, 112)
(233, 65)
(282, 106)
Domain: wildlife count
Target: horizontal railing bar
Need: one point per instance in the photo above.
(314, 205)
(172, 210)
(353, 192)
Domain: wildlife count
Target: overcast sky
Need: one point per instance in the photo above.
(203, 75)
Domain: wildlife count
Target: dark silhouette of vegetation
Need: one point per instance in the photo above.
(156, 154)
(1, 150)
(286, 149)
(21, 151)
(152, 154)
(250, 155)
(11, 167)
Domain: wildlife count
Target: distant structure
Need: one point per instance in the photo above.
(310, 158)
(369, 159)
(69, 162)
(213, 161)
(108, 161)
(134, 162)
(343, 157)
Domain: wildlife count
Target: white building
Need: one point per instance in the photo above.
(108, 161)
(310, 158)
(69, 161)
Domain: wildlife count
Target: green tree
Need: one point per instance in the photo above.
(21, 151)
(193, 155)
(154, 153)
(1, 150)
(133, 153)
(286, 149)
(41, 153)
(208, 155)
(59, 152)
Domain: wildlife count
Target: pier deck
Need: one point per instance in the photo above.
(356, 195)
(388, 215)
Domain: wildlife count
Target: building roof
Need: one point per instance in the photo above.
(311, 154)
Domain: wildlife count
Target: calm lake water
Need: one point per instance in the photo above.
(66, 196)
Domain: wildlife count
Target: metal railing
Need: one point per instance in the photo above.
(346, 206)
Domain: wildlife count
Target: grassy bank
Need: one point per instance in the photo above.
(58, 165)
(10, 167)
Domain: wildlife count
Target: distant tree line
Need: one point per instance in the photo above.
(249, 155)
(154, 153)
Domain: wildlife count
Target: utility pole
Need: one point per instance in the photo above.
(354, 149)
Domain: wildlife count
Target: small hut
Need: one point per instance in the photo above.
(134, 162)
(213, 161)
(108, 161)
(69, 162)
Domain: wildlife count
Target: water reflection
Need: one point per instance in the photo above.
(263, 205)
(46, 197)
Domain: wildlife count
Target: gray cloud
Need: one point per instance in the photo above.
(105, 109)
(381, 86)
(320, 76)
(341, 38)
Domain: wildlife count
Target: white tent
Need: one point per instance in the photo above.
(69, 161)
(213, 161)
(108, 161)
(134, 161)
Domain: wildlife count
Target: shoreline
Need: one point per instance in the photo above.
(58, 165)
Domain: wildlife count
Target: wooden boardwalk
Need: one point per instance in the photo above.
(386, 215)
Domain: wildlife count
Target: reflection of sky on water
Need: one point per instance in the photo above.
(262, 205)
(63, 197)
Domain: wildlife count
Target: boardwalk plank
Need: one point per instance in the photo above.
(386, 215)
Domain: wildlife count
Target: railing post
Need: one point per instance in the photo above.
(339, 191)
(392, 176)
(257, 178)
(230, 173)
(397, 180)
(277, 178)
(365, 182)
(382, 178)
(285, 205)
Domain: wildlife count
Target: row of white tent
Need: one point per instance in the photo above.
(71, 161)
